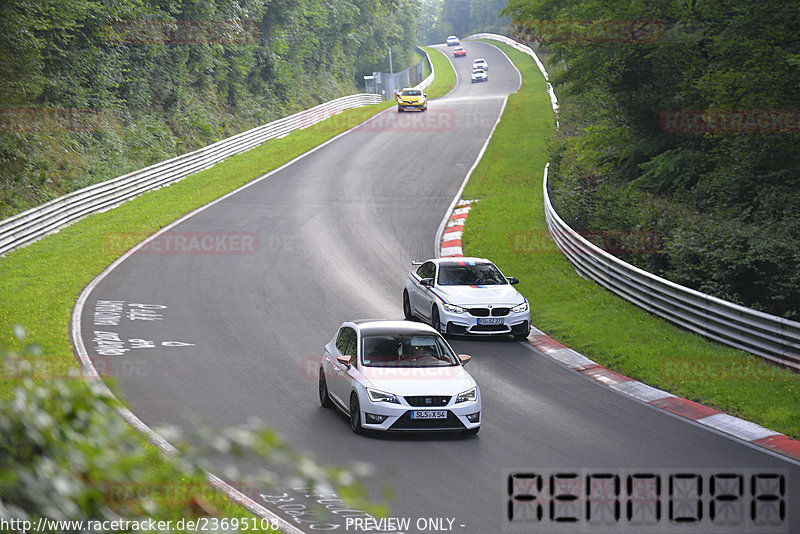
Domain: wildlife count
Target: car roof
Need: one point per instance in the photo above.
(387, 326)
(458, 260)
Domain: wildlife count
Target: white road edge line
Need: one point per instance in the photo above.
(129, 416)
(440, 231)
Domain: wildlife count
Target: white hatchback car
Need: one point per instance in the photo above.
(452, 40)
(480, 63)
(479, 75)
(466, 296)
(398, 376)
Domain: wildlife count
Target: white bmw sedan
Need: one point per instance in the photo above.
(466, 296)
(398, 376)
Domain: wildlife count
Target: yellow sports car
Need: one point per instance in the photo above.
(410, 98)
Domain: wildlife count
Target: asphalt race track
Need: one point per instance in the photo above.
(238, 330)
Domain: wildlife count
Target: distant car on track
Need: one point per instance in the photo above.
(453, 41)
(398, 376)
(480, 63)
(479, 75)
(466, 296)
(410, 98)
(459, 52)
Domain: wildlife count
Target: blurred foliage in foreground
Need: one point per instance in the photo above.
(66, 454)
(634, 154)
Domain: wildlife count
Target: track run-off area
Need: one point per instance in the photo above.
(236, 329)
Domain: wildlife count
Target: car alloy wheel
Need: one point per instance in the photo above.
(355, 414)
(407, 307)
(324, 397)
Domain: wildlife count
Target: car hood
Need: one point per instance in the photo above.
(405, 381)
(504, 295)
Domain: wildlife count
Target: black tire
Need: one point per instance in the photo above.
(399, 109)
(355, 414)
(324, 397)
(407, 307)
(435, 322)
(520, 337)
(471, 431)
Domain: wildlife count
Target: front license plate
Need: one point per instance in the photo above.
(491, 320)
(429, 414)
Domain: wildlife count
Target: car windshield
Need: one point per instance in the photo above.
(413, 92)
(477, 71)
(476, 274)
(406, 350)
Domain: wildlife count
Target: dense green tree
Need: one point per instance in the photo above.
(726, 199)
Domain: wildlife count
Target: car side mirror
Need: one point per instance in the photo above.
(512, 280)
(425, 95)
(345, 360)
(427, 282)
(465, 358)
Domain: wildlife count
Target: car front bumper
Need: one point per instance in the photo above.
(398, 416)
(465, 323)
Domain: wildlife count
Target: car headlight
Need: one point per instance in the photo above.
(469, 395)
(520, 307)
(376, 395)
(451, 308)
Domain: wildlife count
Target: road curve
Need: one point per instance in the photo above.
(234, 327)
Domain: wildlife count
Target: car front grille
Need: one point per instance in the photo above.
(404, 422)
(489, 328)
(427, 400)
(485, 312)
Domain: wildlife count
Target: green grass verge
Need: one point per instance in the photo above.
(508, 226)
(445, 75)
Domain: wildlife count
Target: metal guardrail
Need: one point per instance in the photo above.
(769, 336)
(424, 84)
(35, 223)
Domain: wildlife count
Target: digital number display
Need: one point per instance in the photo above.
(615, 501)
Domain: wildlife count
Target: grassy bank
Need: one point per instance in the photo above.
(445, 75)
(508, 225)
